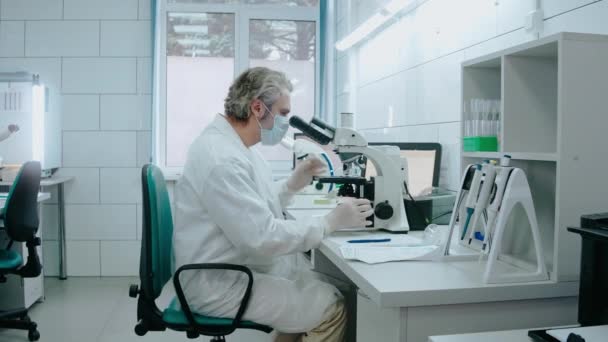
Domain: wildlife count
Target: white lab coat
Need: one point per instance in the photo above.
(228, 210)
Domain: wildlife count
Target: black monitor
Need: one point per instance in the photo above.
(424, 163)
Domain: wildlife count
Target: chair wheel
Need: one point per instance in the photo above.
(140, 329)
(133, 291)
(192, 334)
(33, 335)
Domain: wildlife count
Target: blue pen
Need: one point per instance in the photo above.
(369, 240)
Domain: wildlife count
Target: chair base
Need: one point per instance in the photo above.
(218, 339)
(18, 319)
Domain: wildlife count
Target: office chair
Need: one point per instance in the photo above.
(20, 216)
(155, 271)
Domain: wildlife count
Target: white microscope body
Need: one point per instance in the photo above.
(303, 149)
(388, 191)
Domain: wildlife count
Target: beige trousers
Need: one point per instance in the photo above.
(331, 329)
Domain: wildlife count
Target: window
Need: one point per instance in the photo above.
(204, 44)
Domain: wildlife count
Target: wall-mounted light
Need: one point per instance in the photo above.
(38, 108)
(372, 24)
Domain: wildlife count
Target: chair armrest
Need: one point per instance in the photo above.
(213, 266)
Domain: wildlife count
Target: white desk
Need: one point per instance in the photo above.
(495, 336)
(59, 182)
(410, 301)
(42, 196)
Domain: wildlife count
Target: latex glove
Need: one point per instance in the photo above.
(304, 171)
(350, 213)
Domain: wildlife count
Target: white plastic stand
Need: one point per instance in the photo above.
(501, 268)
(516, 192)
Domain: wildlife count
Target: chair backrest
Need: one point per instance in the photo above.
(155, 267)
(21, 207)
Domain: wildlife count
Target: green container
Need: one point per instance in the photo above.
(476, 144)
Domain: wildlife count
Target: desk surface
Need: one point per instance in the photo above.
(42, 196)
(423, 283)
(496, 336)
(47, 181)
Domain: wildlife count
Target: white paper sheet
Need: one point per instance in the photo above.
(403, 240)
(378, 254)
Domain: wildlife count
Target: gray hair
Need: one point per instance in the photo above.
(256, 83)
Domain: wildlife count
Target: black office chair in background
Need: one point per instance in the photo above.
(155, 270)
(20, 217)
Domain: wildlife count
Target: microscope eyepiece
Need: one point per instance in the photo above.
(310, 131)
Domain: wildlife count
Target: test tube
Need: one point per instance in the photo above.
(474, 117)
(497, 118)
(466, 119)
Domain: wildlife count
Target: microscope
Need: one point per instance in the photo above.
(386, 191)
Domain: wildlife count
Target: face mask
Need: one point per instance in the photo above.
(274, 135)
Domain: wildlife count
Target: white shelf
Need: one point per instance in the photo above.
(514, 155)
(553, 93)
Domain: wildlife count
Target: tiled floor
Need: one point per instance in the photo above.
(97, 309)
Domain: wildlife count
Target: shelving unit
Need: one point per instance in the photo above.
(554, 115)
(514, 155)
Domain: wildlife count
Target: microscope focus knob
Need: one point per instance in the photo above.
(383, 210)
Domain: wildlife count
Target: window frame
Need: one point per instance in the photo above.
(242, 15)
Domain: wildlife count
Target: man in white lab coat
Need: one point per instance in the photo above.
(228, 210)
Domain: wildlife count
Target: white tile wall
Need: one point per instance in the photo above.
(144, 75)
(120, 258)
(414, 64)
(84, 188)
(145, 10)
(126, 112)
(120, 185)
(126, 38)
(449, 137)
(50, 222)
(99, 149)
(30, 9)
(62, 38)
(100, 222)
(342, 104)
(97, 53)
(48, 68)
(342, 76)
(12, 39)
(50, 257)
(80, 112)
(342, 30)
(589, 19)
(104, 9)
(498, 43)
(342, 9)
(83, 258)
(99, 75)
(552, 8)
(144, 148)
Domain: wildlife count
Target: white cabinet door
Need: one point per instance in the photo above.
(378, 324)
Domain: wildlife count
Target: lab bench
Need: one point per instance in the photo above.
(412, 300)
